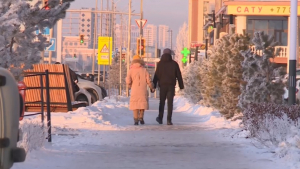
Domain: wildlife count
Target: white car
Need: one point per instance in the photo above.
(89, 91)
(286, 92)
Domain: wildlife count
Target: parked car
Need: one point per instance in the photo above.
(89, 86)
(286, 92)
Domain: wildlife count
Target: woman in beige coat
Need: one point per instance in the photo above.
(138, 78)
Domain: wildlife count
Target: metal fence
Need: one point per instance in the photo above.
(42, 102)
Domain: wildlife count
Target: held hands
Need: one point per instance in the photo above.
(152, 90)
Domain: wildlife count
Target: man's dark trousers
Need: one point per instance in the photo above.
(166, 92)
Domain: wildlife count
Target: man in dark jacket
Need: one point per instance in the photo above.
(165, 75)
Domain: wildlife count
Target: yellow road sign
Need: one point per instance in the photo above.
(104, 50)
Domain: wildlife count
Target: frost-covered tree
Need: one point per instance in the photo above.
(19, 45)
(259, 73)
(222, 74)
(181, 42)
(232, 76)
(114, 73)
(192, 82)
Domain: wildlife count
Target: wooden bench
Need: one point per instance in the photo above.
(60, 87)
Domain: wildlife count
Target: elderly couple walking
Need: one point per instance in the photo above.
(138, 78)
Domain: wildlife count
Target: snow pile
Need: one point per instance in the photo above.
(289, 147)
(95, 117)
(210, 117)
(84, 122)
(33, 134)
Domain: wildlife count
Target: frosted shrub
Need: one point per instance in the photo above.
(259, 73)
(34, 135)
(114, 76)
(222, 74)
(270, 123)
(192, 82)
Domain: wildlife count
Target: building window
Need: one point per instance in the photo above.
(275, 27)
(82, 25)
(83, 20)
(83, 15)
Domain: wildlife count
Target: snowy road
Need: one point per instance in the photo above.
(188, 144)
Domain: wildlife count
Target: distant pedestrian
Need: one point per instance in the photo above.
(138, 79)
(166, 74)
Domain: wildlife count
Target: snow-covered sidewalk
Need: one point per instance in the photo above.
(103, 136)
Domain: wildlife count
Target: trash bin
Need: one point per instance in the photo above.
(22, 91)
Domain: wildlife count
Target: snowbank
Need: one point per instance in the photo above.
(82, 122)
(211, 118)
(281, 130)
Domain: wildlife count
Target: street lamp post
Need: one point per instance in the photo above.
(293, 51)
(128, 43)
(141, 28)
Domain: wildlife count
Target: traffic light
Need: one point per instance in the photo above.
(11, 106)
(210, 21)
(141, 48)
(46, 5)
(123, 57)
(81, 39)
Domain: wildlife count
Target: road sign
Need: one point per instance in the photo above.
(151, 59)
(138, 22)
(52, 47)
(46, 31)
(104, 50)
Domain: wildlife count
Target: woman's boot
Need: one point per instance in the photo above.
(136, 122)
(141, 116)
(142, 121)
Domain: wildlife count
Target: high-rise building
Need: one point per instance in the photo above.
(150, 34)
(197, 11)
(164, 40)
(135, 34)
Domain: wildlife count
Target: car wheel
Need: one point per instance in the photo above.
(104, 93)
(94, 95)
(83, 98)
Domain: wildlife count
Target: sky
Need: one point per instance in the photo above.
(158, 12)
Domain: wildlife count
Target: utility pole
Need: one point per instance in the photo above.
(59, 41)
(128, 43)
(112, 24)
(120, 58)
(99, 67)
(141, 28)
(107, 34)
(50, 52)
(43, 52)
(293, 51)
(95, 38)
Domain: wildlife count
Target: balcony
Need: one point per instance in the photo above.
(281, 58)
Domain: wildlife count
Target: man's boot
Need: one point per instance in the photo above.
(159, 120)
(169, 122)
